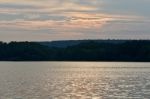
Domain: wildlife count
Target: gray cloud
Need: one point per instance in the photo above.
(74, 19)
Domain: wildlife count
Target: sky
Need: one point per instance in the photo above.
(46, 20)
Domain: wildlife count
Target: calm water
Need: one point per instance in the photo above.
(74, 80)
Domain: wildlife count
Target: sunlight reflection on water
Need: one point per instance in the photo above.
(74, 80)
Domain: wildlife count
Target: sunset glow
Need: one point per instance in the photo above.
(41, 20)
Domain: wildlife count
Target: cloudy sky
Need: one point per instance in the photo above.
(42, 20)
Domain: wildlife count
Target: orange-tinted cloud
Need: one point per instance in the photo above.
(64, 18)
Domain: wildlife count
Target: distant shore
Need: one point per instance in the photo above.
(77, 50)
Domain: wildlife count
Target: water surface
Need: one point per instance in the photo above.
(74, 80)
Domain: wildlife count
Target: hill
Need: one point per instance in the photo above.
(82, 50)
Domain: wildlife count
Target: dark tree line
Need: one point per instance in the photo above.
(23, 51)
(133, 50)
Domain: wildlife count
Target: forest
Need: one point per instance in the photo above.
(86, 50)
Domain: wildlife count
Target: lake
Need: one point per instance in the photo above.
(74, 80)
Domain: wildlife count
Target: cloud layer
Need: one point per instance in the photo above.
(74, 19)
